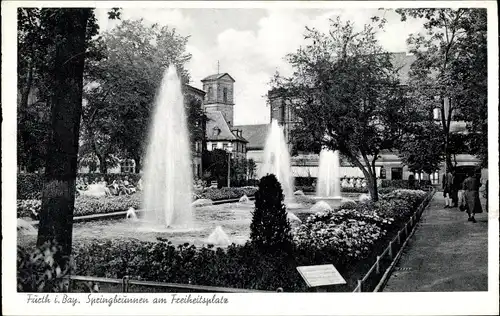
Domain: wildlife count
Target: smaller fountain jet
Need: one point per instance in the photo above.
(328, 188)
(277, 159)
(218, 238)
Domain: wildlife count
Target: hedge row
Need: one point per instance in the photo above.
(405, 184)
(87, 205)
(30, 185)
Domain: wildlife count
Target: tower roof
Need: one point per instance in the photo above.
(217, 77)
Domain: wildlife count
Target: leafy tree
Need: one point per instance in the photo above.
(422, 150)
(124, 83)
(252, 168)
(238, 170)
(215, 165)
(451, 61)
(270, 229)
(196, 120)
(36, 53)
(345, 92)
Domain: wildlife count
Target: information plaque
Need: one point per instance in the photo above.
(321, 275)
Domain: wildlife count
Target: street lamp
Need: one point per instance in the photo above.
(228, 169)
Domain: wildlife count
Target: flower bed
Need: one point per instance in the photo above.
(87, 205)
(348, 238)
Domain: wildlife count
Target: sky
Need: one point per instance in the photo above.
(250, 44)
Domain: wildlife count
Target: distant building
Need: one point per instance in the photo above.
(219, 109)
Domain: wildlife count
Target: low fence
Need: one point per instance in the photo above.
(378, 275)
(127, 285)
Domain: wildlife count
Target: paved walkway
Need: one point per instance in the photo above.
(446, 253)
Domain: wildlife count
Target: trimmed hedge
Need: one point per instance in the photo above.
(404, 184)
(30, 185)
(225, 193)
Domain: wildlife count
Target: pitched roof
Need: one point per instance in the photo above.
(218, 129)
(255, 134)
(194, 89)
(216, 77)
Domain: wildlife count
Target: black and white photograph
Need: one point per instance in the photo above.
(186, 158)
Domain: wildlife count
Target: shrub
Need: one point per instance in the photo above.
(29, 208)
(270, 228)
(39, 271)
(226, 193)
(349, 205)
(87, 205)
(29, 186)
(404, 184)
(354, 190)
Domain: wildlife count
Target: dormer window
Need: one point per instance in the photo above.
(216, 131)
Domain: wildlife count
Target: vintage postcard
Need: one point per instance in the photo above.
(250, 158)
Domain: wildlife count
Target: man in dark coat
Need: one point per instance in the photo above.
(471, 186)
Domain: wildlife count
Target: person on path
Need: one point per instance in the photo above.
(471, 187)
(448, 189)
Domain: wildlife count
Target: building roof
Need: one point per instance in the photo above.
(217, 128)
(255, 135)
(195, 90)
(217, 76)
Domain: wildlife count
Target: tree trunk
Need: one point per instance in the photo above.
(58, 195)
(103, 166)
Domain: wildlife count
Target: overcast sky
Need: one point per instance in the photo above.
(250, 43)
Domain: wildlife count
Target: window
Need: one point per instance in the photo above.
(198, 170)
(397, 173)
(435, 178)
(210, 94)
(224, 95)
(214, 146)
(224, 146)
(127, 166)
(437, 114)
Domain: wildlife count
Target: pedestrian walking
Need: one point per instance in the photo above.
(448, 189)
(471, 187)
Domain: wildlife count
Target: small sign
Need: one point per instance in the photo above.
(320, 275)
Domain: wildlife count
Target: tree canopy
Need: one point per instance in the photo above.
(451, 61)
(346, 95)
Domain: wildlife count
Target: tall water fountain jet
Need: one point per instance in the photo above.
(168, 176)
(329, 174)
(328, 186)
(277, 159)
